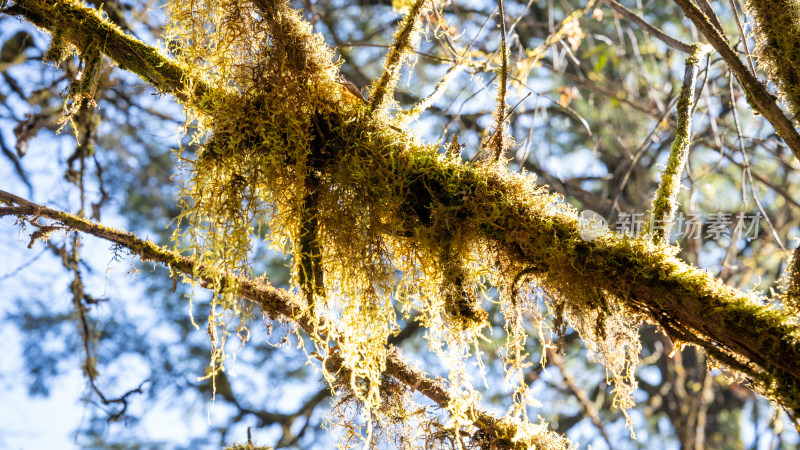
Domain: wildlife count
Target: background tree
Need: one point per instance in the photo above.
(444, 256)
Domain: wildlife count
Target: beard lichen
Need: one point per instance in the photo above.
(284, 149)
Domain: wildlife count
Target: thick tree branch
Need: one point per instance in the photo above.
(776, 31)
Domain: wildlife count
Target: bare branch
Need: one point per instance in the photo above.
(742, 36)
(648, 28)
(587, 406)
(384, 90)
(705, 6)
(566, 24)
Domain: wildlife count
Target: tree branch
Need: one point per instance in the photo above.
(665, 203)
(383, 91)
(78, 24)
(500, 136)
(647, 27)
(586, 405)
(758, 95)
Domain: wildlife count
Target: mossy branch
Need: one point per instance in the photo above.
(383, 91)
(528, 227)
(791, 297)
(438, 91)
(274, 302)
(644, 277)
(532, 229)
(78, 24)
(310, 271)
(665, 203)
(757, 94)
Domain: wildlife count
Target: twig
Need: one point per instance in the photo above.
(508, 114)
(748, 172)
(480, 30)
(648, 28)
(533, 56)
(742, 36)
(766, 182)
(372, 44)
(588, 406)
(500, 140)
(441, 86)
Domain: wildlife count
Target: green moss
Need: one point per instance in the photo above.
(665, 203)
(777, 33)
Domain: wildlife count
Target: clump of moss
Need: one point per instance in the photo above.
(777, 35)
(791, 294)
(58, 50)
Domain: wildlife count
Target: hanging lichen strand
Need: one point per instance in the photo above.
(285, 151)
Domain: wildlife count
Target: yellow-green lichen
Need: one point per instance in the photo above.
(665, 203)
